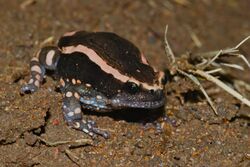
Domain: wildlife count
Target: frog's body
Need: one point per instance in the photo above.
(99, 71)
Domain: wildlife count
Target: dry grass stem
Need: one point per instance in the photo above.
(242, 42)
(197, 82)
(209, 62)
(70, 142)
(222, 85)
(214, 71)
(225, 52)
(213, 59)
(72, 157)
(236, 66)
(243, 58)
(168, 49)
(46, 41)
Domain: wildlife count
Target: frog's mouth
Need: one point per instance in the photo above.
(147, 101)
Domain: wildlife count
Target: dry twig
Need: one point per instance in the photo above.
(225, 52)
(72, 143)
(72, 157)
(222, 85)
(46, 41)
(197, 82)
(208, 61)
(168, 49)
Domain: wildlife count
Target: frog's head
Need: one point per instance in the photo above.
(135, 94)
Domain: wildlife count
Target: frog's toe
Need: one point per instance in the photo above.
(73, 116)
(89, 127)
(100, 132)
(28, 88)
(91, 122)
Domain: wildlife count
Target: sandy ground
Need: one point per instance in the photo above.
(194, 136)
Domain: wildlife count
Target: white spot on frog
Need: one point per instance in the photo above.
(70, 114)
(36, 68)
(69, 94)
(49, 57)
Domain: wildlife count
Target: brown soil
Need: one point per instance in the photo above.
(193, 136)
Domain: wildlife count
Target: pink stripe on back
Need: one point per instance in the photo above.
(143, 59)
(95, 58)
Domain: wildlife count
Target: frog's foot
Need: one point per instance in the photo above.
(88, 127)
(46, 59)
(37, 74)
(73, 116)
(29, 88)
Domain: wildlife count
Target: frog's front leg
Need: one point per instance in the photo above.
(73, 115)
(46, 58)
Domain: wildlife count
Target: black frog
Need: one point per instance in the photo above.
(98, 71)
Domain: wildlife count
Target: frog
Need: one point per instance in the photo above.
(97, 71)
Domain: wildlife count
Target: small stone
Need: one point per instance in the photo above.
(30, 139)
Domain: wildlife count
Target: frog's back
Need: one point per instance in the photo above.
(116, 52)
(79, 67)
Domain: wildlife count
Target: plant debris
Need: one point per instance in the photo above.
(207, 68)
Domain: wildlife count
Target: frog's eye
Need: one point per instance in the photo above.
(132, 87)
